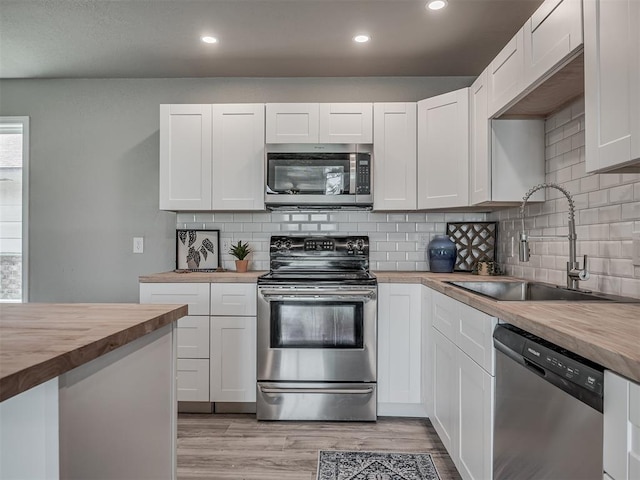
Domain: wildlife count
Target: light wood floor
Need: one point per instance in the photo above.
(232, 446)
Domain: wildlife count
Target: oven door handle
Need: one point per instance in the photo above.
(322, 295)
(350, 391)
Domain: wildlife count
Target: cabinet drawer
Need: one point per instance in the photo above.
(234, 299)
(475, 336)
(193, 380)
(445, 314)
(195, 295)
(193, 337)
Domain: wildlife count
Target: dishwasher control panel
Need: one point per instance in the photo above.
(572, 369)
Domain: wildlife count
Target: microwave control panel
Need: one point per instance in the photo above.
(363, 175)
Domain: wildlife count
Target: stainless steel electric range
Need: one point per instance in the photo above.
(317, 331)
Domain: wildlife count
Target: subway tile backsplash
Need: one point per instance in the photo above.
(398, 241)
(607, 212)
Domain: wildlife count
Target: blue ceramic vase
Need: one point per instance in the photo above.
(442, 254)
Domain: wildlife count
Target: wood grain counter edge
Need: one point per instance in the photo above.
(37, 373)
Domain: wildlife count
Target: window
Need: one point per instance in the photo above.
(14, 175)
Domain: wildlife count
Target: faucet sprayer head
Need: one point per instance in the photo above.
(523, 248)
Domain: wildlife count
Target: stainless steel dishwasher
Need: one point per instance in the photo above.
(548, 410)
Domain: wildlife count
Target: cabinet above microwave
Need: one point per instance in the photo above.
(342, 123)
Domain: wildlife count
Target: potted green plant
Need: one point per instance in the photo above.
(240, 251)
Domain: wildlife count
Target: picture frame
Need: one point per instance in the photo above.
(198, 250)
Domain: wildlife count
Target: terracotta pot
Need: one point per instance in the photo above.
(242, 265)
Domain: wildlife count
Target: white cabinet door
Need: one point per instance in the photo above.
(621, 459)
(192, 377)
(238, 157)
(185, 157)
(475, 336)
(444, 414)
(346, 123)
(479, 146)
(233, 359)
(506, 74)
(443, 150)
(395, 150)
(292, 122)
(612, 83)
(195, 295)
(192, 335)
(551, 35)
(399, 349)
(234, 299)
(474, 436)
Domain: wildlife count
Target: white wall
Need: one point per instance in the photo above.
(94, 168)
(607, 212)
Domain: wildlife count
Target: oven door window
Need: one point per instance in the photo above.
(316, 325)
(322, 174)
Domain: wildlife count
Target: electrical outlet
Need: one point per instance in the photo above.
(138, 244)
(512, 250)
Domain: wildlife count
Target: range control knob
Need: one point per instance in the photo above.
(360, 244)
(287, 244)
(350, 244)
(277, 245)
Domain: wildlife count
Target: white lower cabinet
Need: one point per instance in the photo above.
(193, 379)
(444, 389)
(474, 441)
(463, 384)
(233, 359)
(621, 456)
(216, 343)
(400, 350)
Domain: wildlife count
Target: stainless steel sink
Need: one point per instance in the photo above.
(523, 291)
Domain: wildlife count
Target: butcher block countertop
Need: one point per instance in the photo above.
(40, 341)
(185, 276)
(606, 333)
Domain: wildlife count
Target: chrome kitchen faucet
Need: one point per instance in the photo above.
(574, 272)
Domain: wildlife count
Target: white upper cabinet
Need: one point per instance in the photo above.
(185, 157)
(319, 123)
(346, 123)
(506, 74)
(612, 85)
(238, 157)
(443, 150)
(395, 150)
(292, 122)
(212, 157)
(479, 145)
(551, 35)
(506, 157)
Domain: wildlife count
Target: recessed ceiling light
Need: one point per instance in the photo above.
(436, 4)
(209, 39)
(361, 38)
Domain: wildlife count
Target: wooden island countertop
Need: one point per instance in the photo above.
(41, 341)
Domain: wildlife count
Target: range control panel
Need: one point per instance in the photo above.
(563, 365)
(319, 244)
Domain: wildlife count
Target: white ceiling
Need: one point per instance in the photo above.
(257, 38)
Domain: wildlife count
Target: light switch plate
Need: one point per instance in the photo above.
(138, 244)
(636, 248)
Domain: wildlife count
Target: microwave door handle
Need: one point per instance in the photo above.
(352, 173)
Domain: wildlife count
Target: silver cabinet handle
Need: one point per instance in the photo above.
(351, 391)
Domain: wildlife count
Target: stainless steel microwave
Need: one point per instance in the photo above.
(319, 175)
